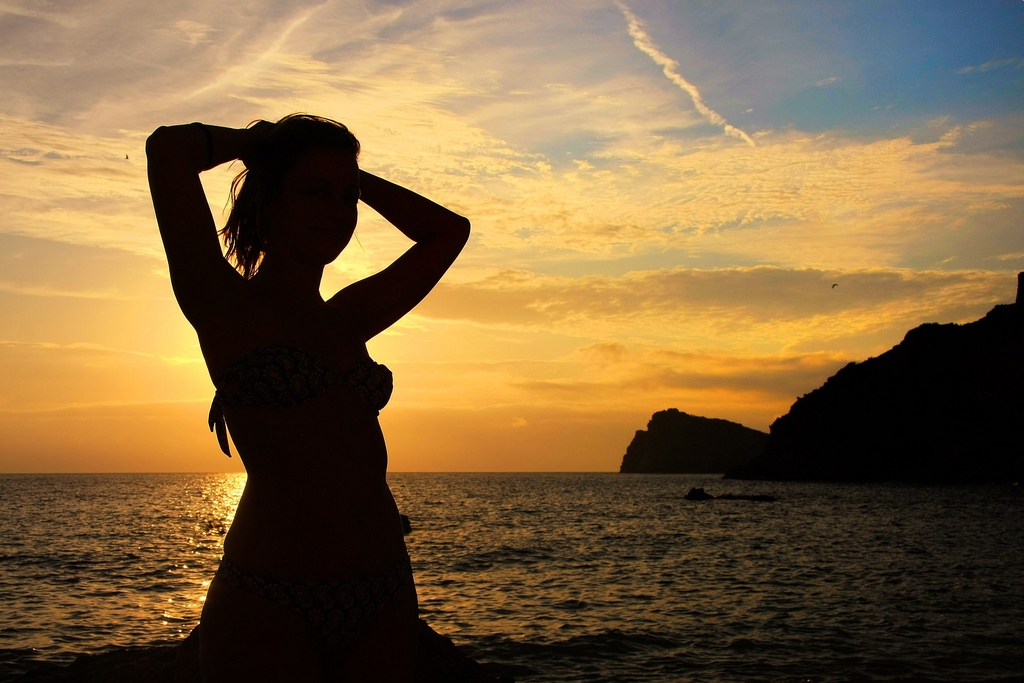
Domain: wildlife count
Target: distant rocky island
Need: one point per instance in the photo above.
(944, 405)
(676, 442)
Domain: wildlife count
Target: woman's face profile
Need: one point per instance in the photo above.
(315, 214)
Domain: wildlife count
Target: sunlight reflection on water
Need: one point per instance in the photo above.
(568, 576)
(94, 561)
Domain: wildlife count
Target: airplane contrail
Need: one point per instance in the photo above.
(670, 68)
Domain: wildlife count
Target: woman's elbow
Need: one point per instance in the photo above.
(155, 137)
(462, 228)
(159, 141)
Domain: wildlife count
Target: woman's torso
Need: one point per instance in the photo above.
(316, 503)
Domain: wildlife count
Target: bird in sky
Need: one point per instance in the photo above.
(834, 285)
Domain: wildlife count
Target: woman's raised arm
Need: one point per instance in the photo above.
(439, 235)
(176, 155)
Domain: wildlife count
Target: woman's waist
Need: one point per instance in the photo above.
(316, 474)
(296, 546)
(301, 445)
(315, 498)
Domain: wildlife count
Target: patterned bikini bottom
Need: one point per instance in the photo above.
(340, 611)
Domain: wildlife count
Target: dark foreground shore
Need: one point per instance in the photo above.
(440, 661)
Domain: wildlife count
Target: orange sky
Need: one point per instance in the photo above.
(659, 215)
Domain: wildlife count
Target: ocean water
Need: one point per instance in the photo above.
(569, 577)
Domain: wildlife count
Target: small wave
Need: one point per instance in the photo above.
(742, 644)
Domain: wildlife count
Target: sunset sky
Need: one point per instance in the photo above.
(662, 194)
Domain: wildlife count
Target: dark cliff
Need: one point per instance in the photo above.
(676, 442)
(944, 405)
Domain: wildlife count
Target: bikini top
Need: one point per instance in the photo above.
(278, 376)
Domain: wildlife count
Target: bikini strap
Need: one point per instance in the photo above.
(217, 422)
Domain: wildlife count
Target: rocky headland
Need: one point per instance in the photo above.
(676, 442)
(944, 405)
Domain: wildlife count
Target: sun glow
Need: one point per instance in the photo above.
(643, 238)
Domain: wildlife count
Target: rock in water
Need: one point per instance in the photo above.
(676, 442)
(944, 405)
(698, 494)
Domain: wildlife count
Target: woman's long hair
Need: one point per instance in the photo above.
(261, 179)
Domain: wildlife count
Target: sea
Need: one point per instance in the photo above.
(568, 577)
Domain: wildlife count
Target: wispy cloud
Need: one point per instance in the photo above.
(97, 349)
(26, 10)
(623, 260)
(194, 32)
(54, 292)
(50, 375)
(670, 68)
(990, 65)
(761, 309)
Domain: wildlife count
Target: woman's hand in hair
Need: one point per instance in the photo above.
(256, 132)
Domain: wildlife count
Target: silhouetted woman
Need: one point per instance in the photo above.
(315, 583)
